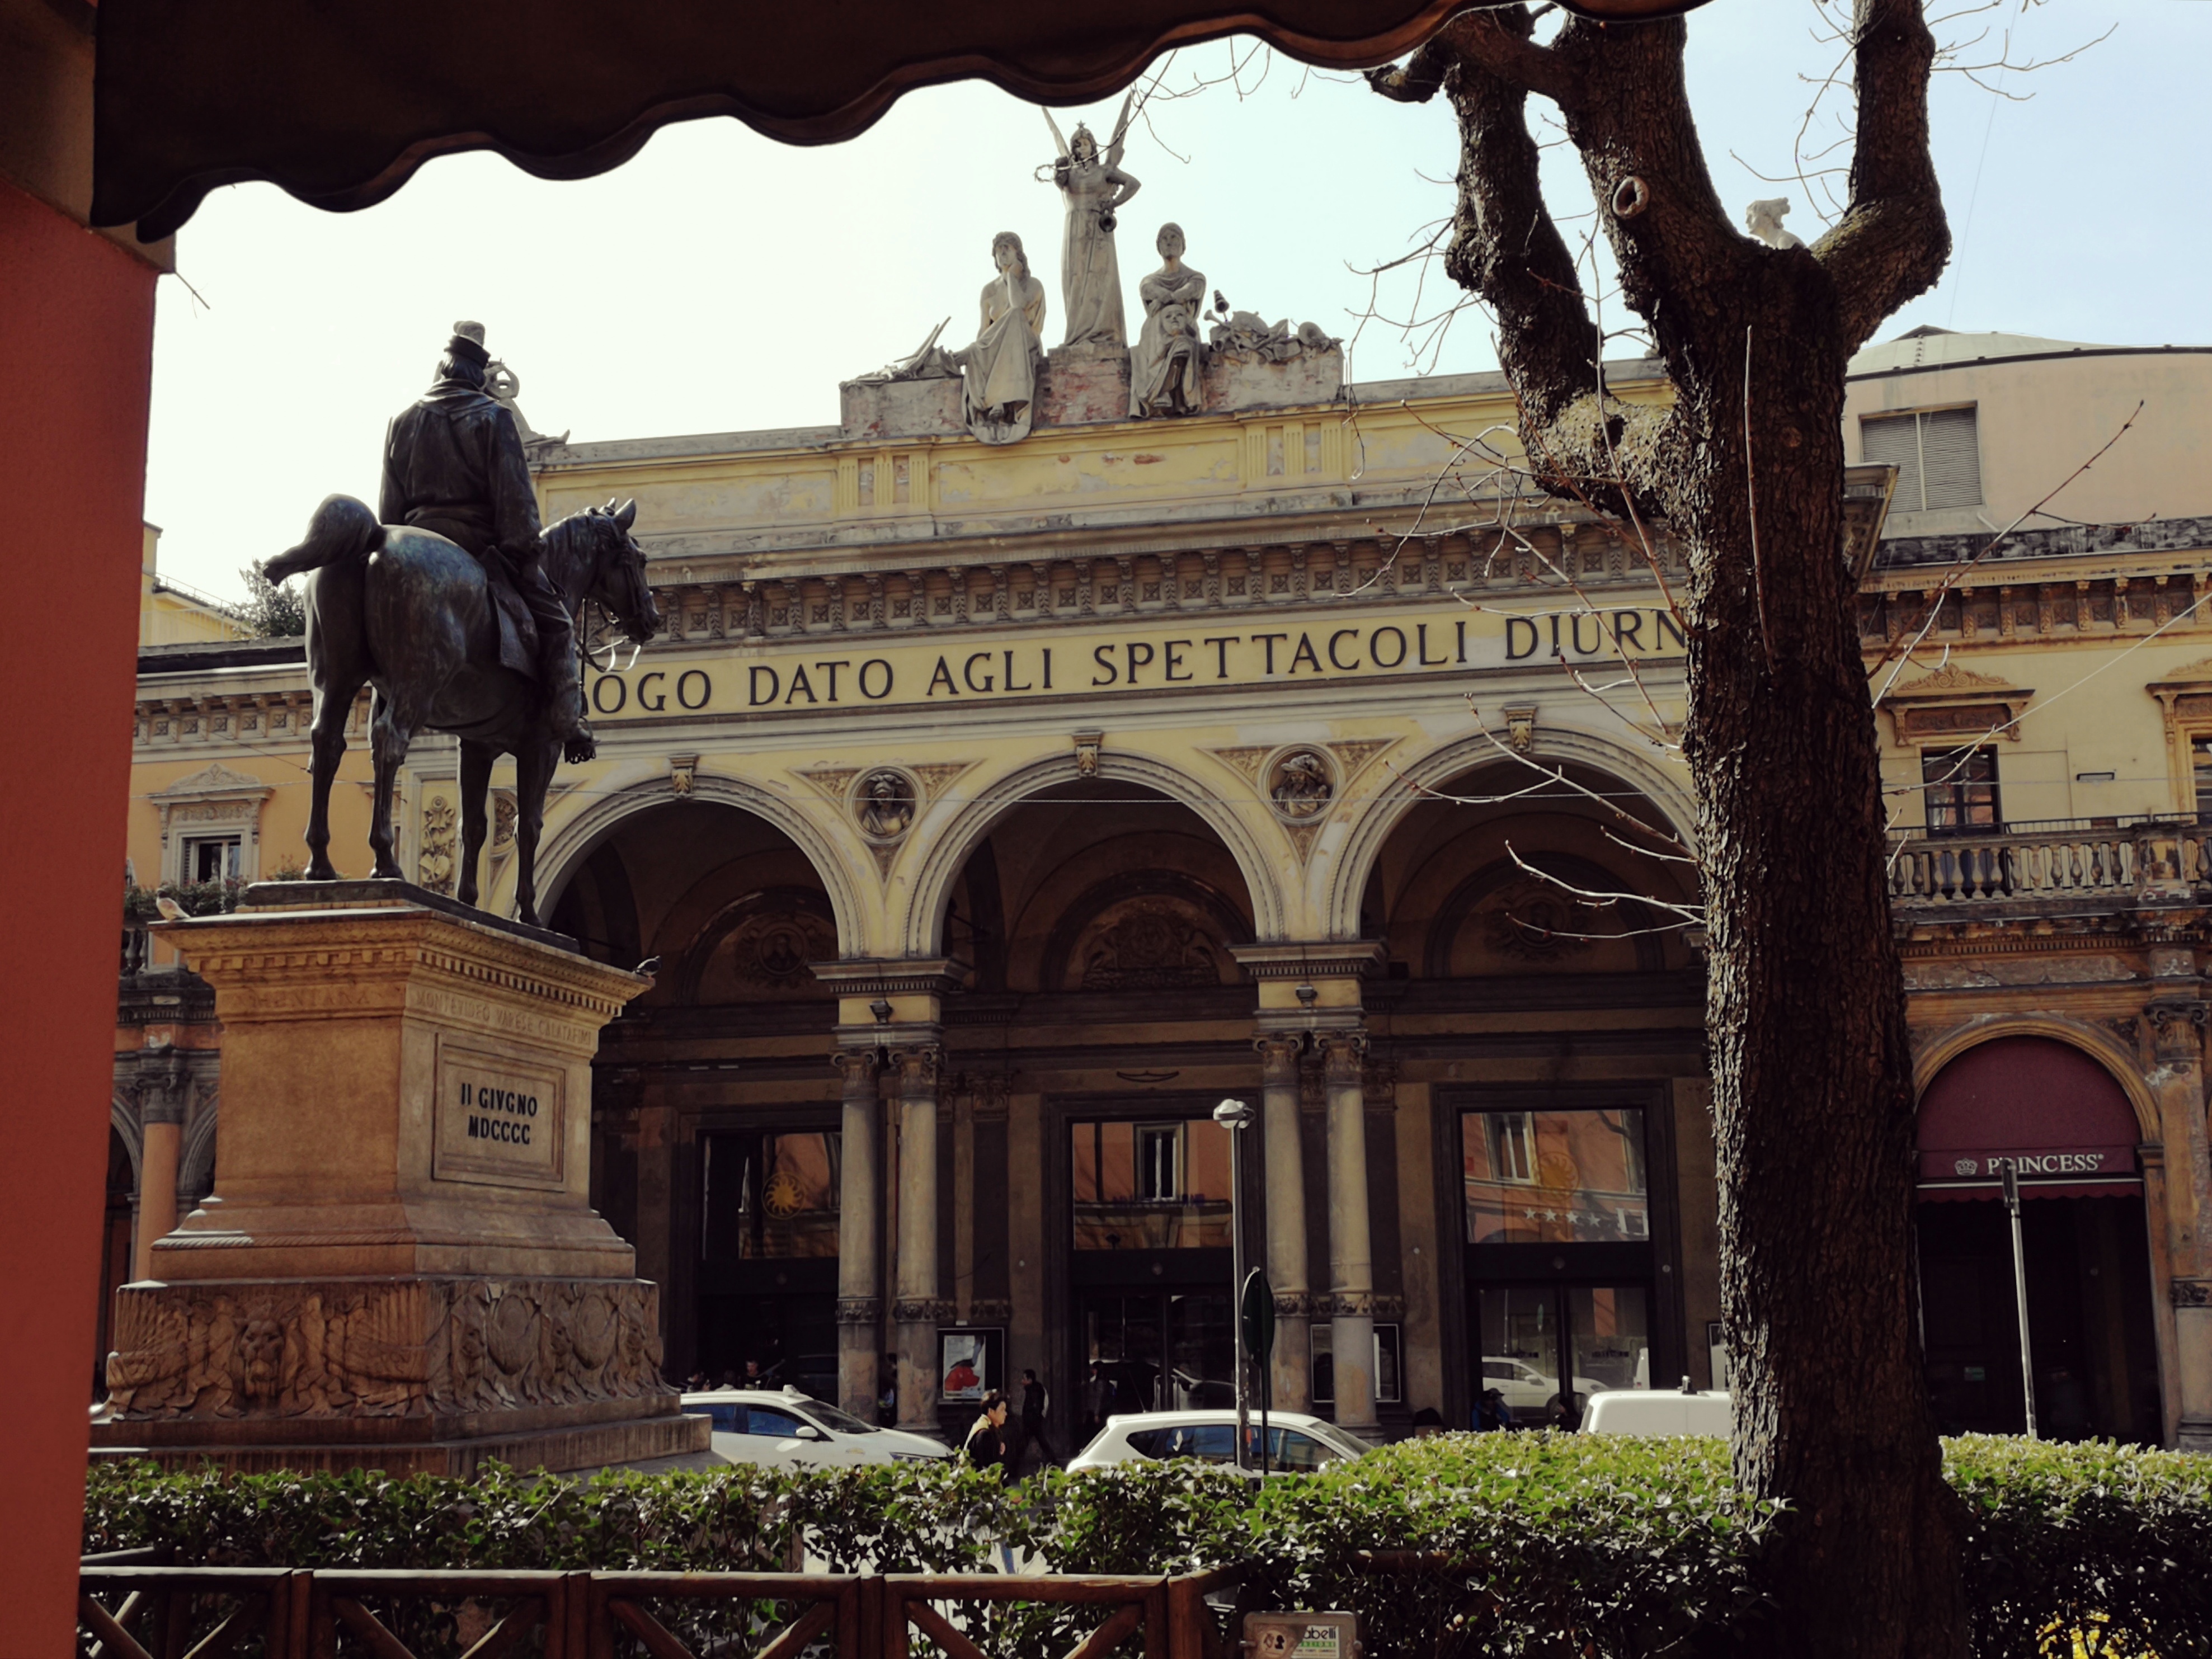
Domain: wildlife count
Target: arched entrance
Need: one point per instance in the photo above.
(1108, 1015)
(716, 1139)
(1537, 970)
(2059, 1117)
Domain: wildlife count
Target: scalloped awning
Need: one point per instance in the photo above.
(339, 102)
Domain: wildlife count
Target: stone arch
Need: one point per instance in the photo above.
(196, 1157)
(563, 851)
(1461, 903)
(1346, 872)
(1102, 895)
(123, 1118)
(2101, 1045)
(947, 836)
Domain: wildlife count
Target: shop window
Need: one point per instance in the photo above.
(1388, 1359)
(1959, 787)
(1936, 453)
(769, 1196)
(1150, 1186)
(211, 858)
(1555, 1177)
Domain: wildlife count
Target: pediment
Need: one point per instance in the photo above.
(2198, 676)
(1954, 681)
(213, 778)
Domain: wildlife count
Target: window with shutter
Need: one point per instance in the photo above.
(1936, 453)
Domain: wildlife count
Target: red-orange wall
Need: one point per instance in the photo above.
(76, 341)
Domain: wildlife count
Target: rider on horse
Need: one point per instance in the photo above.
(453, 465)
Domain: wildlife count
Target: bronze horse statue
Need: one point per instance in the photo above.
(412, 614)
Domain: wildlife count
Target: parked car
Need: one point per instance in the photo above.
(1295, 1441)
(1652, 1413)
(784, 1426)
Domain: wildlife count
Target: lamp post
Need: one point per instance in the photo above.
(1235, 1115)
(2009, 1179)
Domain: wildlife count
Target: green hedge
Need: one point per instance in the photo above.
(1557, 1543)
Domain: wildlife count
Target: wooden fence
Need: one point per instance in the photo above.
(138, 1612)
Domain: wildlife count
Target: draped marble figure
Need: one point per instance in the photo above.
(1092, 186)
(998, 372)
(1164, 363)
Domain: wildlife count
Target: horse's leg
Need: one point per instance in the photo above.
(338, 667)
(534, 761)
(391, 731)
(334, 702)
(475, 784)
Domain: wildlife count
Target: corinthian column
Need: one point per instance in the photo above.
(1292, 1366)
(918, 1308)
(164, 1089)
(859, 1292)
(1351, 1255)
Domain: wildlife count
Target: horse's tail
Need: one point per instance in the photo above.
(342, 528)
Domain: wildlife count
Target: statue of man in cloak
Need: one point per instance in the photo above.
(453, 465)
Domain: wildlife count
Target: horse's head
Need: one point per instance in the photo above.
(615, 574)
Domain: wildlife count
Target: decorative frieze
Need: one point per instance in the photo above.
(226, 1350)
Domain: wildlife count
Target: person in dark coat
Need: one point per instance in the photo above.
(986, 1445)
(453, 465)
(1035, 1403)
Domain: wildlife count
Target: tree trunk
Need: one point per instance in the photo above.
(1813, 1097)
(1812, 1068)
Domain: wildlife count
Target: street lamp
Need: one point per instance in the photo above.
(1235, 1116)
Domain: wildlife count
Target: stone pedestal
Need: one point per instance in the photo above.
(399, 1267)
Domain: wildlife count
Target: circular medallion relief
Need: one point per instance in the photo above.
(884, 803)
(1301, 784)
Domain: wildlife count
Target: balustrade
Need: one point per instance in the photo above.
(2161, 859)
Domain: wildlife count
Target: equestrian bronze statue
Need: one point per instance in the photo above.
(453, 606)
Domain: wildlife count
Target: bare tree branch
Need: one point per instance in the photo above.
(1893, 241)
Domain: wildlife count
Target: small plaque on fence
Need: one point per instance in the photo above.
(1302, 1635)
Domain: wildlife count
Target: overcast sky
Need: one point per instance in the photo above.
(720, 281)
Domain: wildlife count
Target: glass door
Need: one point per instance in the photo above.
(1528, 1336)
(1158, 1351)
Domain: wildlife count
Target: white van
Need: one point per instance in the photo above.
(1650, 1413)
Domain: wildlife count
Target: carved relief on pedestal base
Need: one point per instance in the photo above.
(223, 1351)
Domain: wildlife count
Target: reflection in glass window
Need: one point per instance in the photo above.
(769, 1196)
(1611, 1333)
(1389, 1361)
(1555, 1177)
(1151, 1185)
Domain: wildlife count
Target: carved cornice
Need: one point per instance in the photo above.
(1331, 959)
(2192, 1292)
(859, 1310)
(863, 976)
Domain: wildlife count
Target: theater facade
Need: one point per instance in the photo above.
(996, 810)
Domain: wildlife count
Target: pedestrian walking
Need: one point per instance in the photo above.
(986, 1449)
(1036, 1402)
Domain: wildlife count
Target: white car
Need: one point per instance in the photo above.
(784, 1426)
(1296, 1441)
(1654, 1413)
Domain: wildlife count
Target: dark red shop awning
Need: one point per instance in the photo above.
(339, 102)
(2043, 1106)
